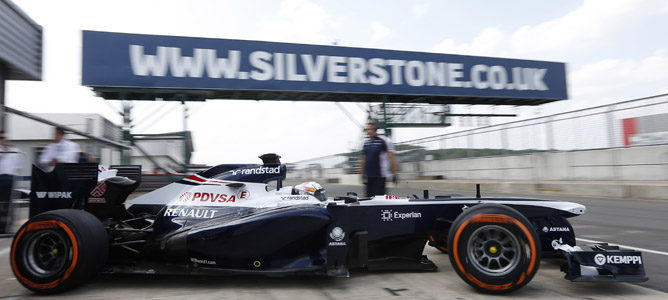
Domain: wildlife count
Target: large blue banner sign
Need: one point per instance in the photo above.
(168, 62)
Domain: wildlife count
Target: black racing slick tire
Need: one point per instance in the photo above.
(494, 248)
(436, 242)
(58, 250)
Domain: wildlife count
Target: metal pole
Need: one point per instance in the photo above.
(388, 131)
(70, 129)
(184, 148)
(2, 96)
(127, 135)
(611, 143)
(504, 139)
(549, 133)
(611, 125)
(469, 144)
(185, 115)
(443, 150)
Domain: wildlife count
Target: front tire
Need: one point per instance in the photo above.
(494, 248)
(59, 250)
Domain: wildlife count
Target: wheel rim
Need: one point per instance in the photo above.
(493, 250)
(46, 253)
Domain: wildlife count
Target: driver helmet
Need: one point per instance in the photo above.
(310, 188)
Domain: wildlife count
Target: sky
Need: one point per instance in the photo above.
(614, 50)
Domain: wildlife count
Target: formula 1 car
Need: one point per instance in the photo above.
(240, 219)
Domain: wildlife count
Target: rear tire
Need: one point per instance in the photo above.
(494, 248)
(59, 250)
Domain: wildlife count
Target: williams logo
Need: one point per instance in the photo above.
(387, 215)
(337, 235)
(54, 195)
(202, 261)
(97, 200)
(99, 189)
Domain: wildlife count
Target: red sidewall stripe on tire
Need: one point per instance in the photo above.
(493, 218)
(44, 225)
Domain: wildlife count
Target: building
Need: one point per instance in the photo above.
(31, 137)
(170, 150)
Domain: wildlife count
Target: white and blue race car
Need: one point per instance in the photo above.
(240, 219)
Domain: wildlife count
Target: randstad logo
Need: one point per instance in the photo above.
(257, 171)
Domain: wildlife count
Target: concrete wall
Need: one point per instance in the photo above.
(164, 160)
(648, 163)
(518, 167)
(600, 189)
(629, 173)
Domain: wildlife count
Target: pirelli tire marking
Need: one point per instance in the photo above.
(59, 250)
(487, 280)
(50, 224)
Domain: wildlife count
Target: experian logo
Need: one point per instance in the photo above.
(387, 215)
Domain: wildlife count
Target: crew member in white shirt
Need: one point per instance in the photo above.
(10, 166)
(61, 151)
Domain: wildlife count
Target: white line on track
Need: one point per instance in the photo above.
(4, 251)
(624, 246)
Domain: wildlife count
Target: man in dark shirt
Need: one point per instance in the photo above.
(377, 161)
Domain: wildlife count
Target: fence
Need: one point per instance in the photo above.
(610, 142)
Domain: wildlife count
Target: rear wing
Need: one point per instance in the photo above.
(130, 171)
(70, 185)
(67, 186)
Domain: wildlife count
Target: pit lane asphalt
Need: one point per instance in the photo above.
(629, 222)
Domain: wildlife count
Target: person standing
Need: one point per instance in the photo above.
(61, 151)
(377, 161)
(10, 166)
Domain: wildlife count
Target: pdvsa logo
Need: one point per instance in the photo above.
(213, 197)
